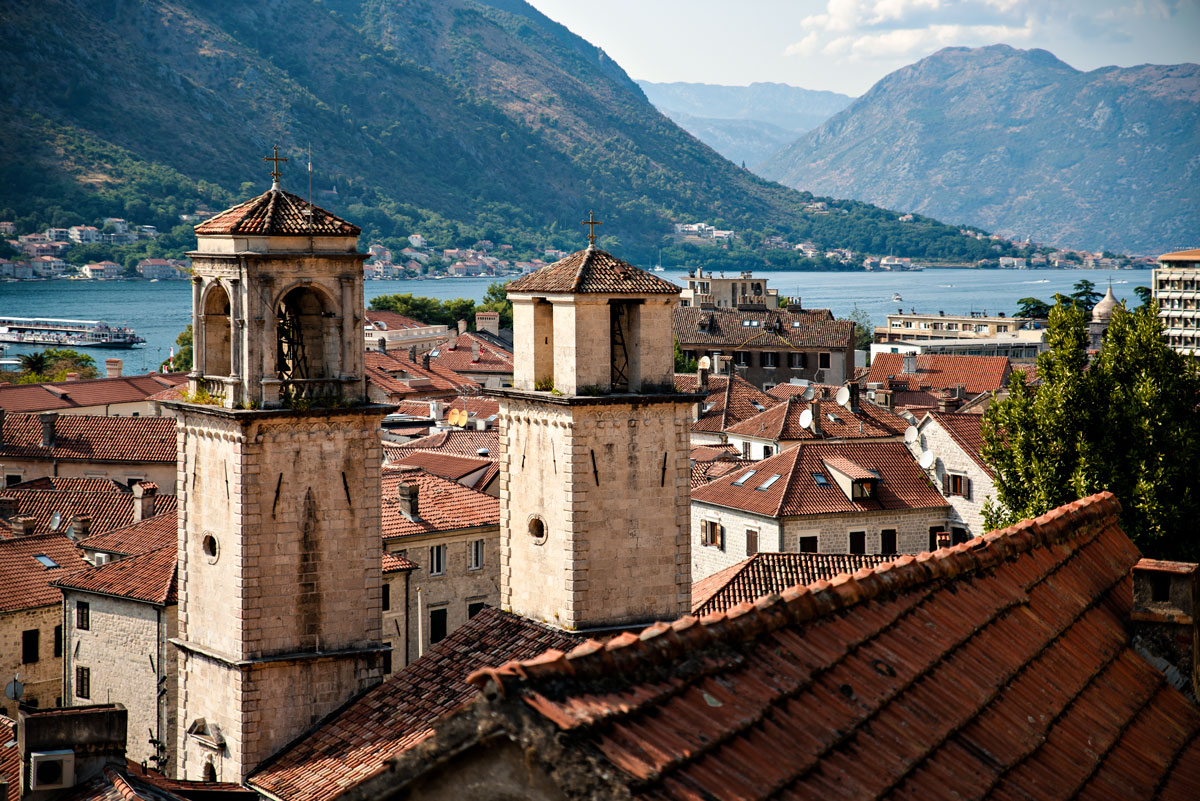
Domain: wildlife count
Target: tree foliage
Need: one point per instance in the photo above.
(53, 364)
(1033, 308)
(181, 362)
(682, 363)
(1085, 294)
(447, 312)
(1126, 422)
(864, 329)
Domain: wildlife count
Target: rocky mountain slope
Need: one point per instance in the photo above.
(744, 123)
(1021, 143)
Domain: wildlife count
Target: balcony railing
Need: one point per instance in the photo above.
(315, 391)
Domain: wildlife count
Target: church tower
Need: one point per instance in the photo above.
(278, 487)
(594, 473)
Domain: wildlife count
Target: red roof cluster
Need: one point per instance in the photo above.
(91, 438)
(705, 471)
(797, 490)
(49, 396)
(25, 580)
(999, 668)
(470, 471)
(782, 422)
(766, 573)
(967, 432)
(358, 741)
(397, 376)
(148, 577)
(277, 213)
(442, 504)
(937, 371)
(592, 271)
(459, 355)
(479, 407)
(106, 510)
(10, 760)
(466, 443)
(778, 329)
(728, 400)
(146, 535)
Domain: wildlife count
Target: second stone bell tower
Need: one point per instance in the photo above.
(278, 486)
(594, 474)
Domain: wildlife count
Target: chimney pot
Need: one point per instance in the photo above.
(382, 344)
(49, 420)
(112, 368)
(462, 326)
(72, 376)
(23, 525)
(81, 526)
(854, 390)
(815, 407)
(702, 379)
(943, 539)
(1166, 596)
(474, 350)
(425, 360)
(406, 494)
(144, 493)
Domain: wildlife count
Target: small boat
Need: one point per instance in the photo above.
(66, 333)
(659, 269)
(896, 298)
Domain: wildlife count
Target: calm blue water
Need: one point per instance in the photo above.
(160, 311)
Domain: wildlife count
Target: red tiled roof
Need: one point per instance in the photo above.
(202, 789)
(148, 577)
(727, 402)
(704, 472)
(452, 466)
(1000, 668)
(776, 329)
(967, 432)
(10, 759)
(848, 468)
(1181, 255)
(277, 213)
(70, 483)
(709, 453)
(766, 573)
(24, 581)
(477, 406)
(789, 390)
(358, 741)
(92, 438)
(90, 392)
(107, 510)
(141, 537)
(393, 373)
(395, 321)
(782, 422)
(592, 271)
(118, 785)
(902, 484)
(394, 563)
(459, 355)
(467, 443)
(941, 371)
(442, 505)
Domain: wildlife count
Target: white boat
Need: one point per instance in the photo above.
(896, 298)
(67, 333)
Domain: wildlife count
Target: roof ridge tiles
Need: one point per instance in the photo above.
(799, 604)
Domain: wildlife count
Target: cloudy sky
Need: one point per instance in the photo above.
(847, 45)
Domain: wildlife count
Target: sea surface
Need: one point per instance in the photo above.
(159, 311)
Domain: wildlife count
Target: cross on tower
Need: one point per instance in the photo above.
(275, 174)
(593, 222)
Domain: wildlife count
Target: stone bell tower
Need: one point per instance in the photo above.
(278, 487)
(594, 473)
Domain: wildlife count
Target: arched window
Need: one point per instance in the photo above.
(218, 347)
(210, 771)
(301, 321)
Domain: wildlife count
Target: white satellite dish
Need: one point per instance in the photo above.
(806, 418)
(809, 392)
(911, 434)
(926, 460)
(55, 521)
(705, 363)
(842, 397)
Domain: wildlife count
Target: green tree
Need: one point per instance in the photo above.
(1085, 294)
(1144, 295)
(496, 299)
(1033, 308)
(864, 329)
(683, 364)
(38, 362)
(68, 360)
(1126, 423)
(181, 362)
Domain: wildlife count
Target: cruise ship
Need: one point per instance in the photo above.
(67, 333)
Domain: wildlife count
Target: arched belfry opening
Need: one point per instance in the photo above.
(302, 328)
(218, 344)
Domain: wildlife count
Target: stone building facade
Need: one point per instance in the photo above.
(958, 470)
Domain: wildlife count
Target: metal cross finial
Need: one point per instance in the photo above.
(275, 174)
(593, 222)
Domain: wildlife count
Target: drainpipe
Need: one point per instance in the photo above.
(420, 625)
(407, 622)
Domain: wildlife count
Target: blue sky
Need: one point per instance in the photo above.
(847, 45)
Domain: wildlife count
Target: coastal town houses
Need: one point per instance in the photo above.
(387, 330)
(820, 497)
(121, 449)
(916, 383)
(724, 401)
(1176, 289)
(402, 375)
(113, 395)
(770, 346)
(955, 442)
(78, 507)
(474, 357)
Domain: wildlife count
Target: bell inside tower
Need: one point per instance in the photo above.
(620, 327)
(300, 323)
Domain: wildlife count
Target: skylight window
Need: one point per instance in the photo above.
(758, 406)
(435, 354)
(46, 561)
(745, 477)
(795, 323)
(766, 485)
(820, 479)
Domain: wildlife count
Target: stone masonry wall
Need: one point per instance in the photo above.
(951, 458)
(709, 559)
(833, 531)
(43, 678)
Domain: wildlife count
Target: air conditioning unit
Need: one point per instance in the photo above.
(51, 770)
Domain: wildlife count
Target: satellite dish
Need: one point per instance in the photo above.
(809, 392)
(14, 690)
(806, 418)
(458, 417)
(911, 434)
(55, 520)
(705, 363)
(926, 460)
(842, 397)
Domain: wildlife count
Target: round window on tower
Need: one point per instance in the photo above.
(212, 550)
(537, 530)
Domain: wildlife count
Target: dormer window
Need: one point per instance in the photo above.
(863, 490)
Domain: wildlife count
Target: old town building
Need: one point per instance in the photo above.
(1176, 289)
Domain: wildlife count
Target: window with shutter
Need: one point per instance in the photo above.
(751, 542)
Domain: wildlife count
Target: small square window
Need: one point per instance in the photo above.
(29, 646)
(83, 615)
(751, 542)
(823, 361)
(858, 542)
(744, 478)
(46, 561)
(820, 479)
(808, 545)
(887, 541)
(474, 608)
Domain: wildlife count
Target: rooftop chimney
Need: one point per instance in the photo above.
(462, 326)
(815, 407)
(406, 494)
(112, 368)
(8, 506)
(910, 363)
(382, 344)
(1166, 597)
(943, 539)
(853, 402)
(883, 397)
(425, 360)
(474, 350)
(412, 353)
(143, 500)
(947, 404)
(22, 525)
(702, 380)
(48, 421)
(435, 410)
(81, 527)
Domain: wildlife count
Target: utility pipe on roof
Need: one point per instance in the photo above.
(420, 625)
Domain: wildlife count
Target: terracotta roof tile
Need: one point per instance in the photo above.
(358, 741)
(453, 466)
(782, 422)
(118, 785)
(967, 432)
(774, 328)
(147, 535)
(394, 563)
(704, 472)
(10, 759)
(902, 484)
(592, 271)
(148, 577)
(708, 453)
(399, 376)
(766, 573)
(86, 437)
(202, 789)
(442, 505)
(70, 483)
(727, 402)
(466, 443)
(459, 355)
(90, 392)
(1001, 667)
(937, 371)
(277, 213)
(107, 510)
(1181, 255)
(24, 581)
(479, 407)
